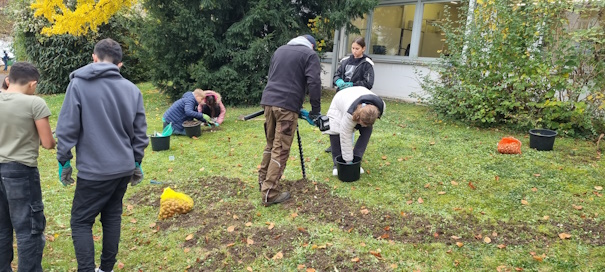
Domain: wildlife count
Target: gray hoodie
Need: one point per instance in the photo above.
(104, 118)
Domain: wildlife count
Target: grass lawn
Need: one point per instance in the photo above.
(436, 196)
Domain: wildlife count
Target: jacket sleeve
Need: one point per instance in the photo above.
(221, 116)
(68, 124)
(347, 128)
(313, 75)
(339, 72)
(139, 140)
(189, 106)
(368, 77)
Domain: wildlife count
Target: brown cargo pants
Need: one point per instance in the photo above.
(280, 125)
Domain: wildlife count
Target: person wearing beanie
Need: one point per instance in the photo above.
(294, 68)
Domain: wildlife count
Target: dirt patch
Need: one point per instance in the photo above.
(229, 235)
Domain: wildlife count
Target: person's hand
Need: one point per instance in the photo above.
(216, 124)
(304, 114)
(65, 173)
(137, 176)
(347, 85)
(340, 83)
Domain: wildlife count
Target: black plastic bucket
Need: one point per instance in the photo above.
(542, 139)
(159, 143)
(348, 172)
(195, 130)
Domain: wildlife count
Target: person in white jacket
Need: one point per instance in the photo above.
(356, 109)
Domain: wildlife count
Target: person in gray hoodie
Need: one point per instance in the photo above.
(294, 69)
(104, 118)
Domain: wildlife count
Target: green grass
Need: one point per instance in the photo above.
(412, 155)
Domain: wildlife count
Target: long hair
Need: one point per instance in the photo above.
(365, 114)
(211, 103)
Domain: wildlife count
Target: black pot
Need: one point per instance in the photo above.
(542, 139)
(159, 143)
(348, 172)
(195, 130)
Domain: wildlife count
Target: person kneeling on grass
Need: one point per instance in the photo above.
(184, 109)
(356, 109)
(212, 105)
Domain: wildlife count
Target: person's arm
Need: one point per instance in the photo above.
(368, 78)
(313, 75)
(339, 74)
(347, 128)
(189, 106)
(139, 139)
(68, 124)
(221, 116)
(46, 136)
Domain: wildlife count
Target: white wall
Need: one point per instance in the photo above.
(392, 80)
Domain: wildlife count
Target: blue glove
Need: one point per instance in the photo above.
(347, 85)
(304, 114)
(137, 176)
(65, 173)
(340, 83)
(216, 124)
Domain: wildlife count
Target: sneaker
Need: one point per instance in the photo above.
(278, 199)
(329, 149)
(99, 270)
(361, 170)
(334, 171)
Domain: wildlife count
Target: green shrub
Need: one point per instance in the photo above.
(525, 67)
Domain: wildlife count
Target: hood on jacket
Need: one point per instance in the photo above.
(96, 70)
(301, 40)
(216, 95)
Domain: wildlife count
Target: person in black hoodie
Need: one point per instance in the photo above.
(354, 70)
(294, 68)
(104, 118)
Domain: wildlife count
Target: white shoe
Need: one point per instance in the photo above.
(99, 270)
(361, 170)
(335, 172)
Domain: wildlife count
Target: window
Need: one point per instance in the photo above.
(432, 39)
(391, 28)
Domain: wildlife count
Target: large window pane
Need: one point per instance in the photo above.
(362, 24)
(432, 39)
(392, 30)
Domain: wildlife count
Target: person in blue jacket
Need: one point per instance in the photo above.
(184, 109)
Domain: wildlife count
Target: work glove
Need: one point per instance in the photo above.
(137, 176)
(65, 173)
(304, 114)
(347, 85)
(340, 83)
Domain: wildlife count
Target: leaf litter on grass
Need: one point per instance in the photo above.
(222, 245)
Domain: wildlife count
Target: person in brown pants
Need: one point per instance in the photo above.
(294, 69)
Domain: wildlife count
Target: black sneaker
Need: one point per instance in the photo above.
(329, 149)
(278, 199)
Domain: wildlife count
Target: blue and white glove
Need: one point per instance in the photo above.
(347, 85)
(340, 83)
(304, 114)
(65, 173)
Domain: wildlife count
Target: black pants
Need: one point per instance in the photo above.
(91, 198)
(360, 145)
(208, 111)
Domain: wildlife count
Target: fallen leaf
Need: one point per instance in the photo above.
(133, 220)
(518, 269)
(300, 266)
(494, 234)
(459, 244)
(278, 256)
(435, 234)
(487, 240)
(400, 159)
(355, 260)
(248, 224)
(387, 228)
(364, 211)
(235, 217)
(577, 207)
(362, 244)
(294, 215)
(169, 170)
(524, 202)
(384, 236)
(301, 229)
(449, 251)
(536, 175)
(129, 207)
(534, 189)
(497, 178)
(202, 169)
(189, 237)
(455, 237)
(271, 226)
(598, 188)
(384, 157)
(538, 258)
(409, 202)
(454, 183)
(249, 241)
(186, 250)
(441, 193)
(420, 200)
(230, 244)
(428, 185)
(376, 254)
(501, 246)
(393, 266)
(432, 143)
(152, 225)
(310, 270)
(230, 228)
(470, 184)
(546, 217)
(564, 236)
(249, 268)
(120, 265)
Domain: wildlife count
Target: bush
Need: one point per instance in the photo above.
(525, 67)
